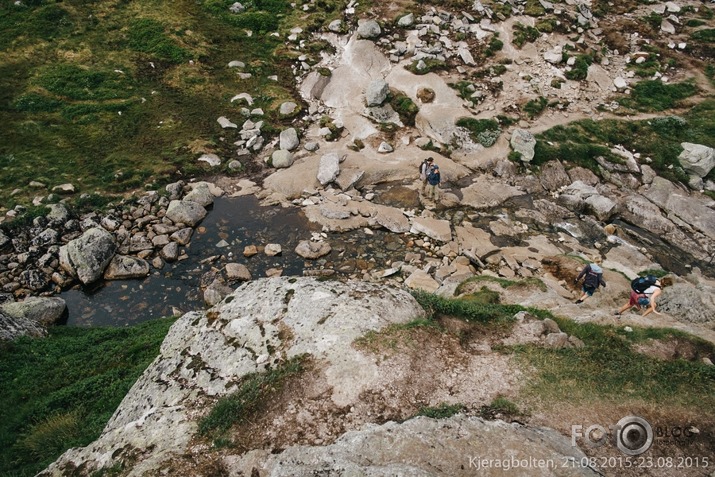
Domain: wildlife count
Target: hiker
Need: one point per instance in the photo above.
(424, 171)
(645, 298)
(433, 180)
(593, 274)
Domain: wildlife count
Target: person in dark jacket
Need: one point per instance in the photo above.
(593, 278)
(433, 180)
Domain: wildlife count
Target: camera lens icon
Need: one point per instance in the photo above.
(634, 435)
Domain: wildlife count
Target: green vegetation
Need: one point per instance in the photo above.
(500, 408)
(707, 35)
(608, 368)
(579, 70)
(60, 391)
(658, 96)
(405, 108)
(471, 310)
(656, 272)
(430, 65)
(535, 107)
(484, 131)
(503, 282)
(524, 34)
(534, 8)
(495, 44)
(394, 335)
(110, 96)
(581, 142)
(254, 392)
(443, 411)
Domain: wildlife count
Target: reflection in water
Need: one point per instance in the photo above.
(237, 222)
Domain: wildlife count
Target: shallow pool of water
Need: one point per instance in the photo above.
(238, 221)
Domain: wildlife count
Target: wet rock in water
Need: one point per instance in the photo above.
(273, 249)
(123, 267)
(312, 250)
(274, 272)
(237, 271)
(182, 236)
(250, 250)
(392, 219)
(170, 252)
(87, 256)
(185, 212)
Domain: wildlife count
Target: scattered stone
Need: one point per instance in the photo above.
(368, 29)
(273, 249)
(697, 158)
(281, 159)
(226, 123)
(289, 107)
(237, 271)
(185, 212)
(211, 159)
(64, 189)
(124, 267)
(182, 236)
(376, 92)
(250, 250)
(170, 252)
(312, 250)
(289, 139)
(329, 168)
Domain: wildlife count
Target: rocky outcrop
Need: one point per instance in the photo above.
(29, 317)
(204, 357)
(455, 447)
(185, 212)
(87, 256)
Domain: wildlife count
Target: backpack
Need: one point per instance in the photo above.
(426, 164)
(641, 284)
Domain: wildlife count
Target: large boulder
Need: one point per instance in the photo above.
(41, 310)
(697, 159)
(123, 267)
(368, 29)
(376, 92)
(86, 257)
(523, 142)
(457, 446)
(206, 355)
(185, 212)
(281, 159)
(288, 139)
(11, 328)
(329, 168)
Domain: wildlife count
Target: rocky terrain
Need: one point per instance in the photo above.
(349, 164)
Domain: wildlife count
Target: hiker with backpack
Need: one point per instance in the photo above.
(644, 293)
(593, 278)
(424, 172)
(433, 180)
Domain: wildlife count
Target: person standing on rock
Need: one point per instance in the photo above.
(424, 171)
(593, 274)
(433, 180)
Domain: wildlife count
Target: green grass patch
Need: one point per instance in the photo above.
(500, 408)
(60, 391)
(579, 70)
(430, 65)
(524, 34)
(484, 131)
(471, 311)
(150, 37)
(405, 108)
(581, 142)
(608, 368)
(707, 35)
(656, 272)
(443, 411)
(255, 390)
(535, 107)
(503, 282)
(658, 96)
(394, 335)
(495, 45)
